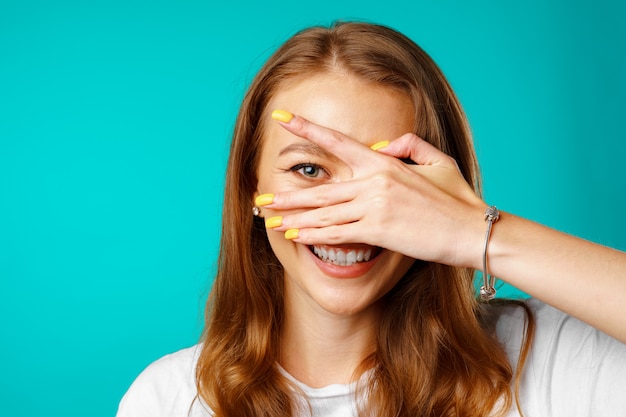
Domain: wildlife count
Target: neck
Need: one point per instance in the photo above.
(320, 348)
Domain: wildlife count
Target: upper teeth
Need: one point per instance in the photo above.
(342, 257)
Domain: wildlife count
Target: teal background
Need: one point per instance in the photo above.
(114, 128)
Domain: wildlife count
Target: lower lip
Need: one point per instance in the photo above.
(336, 271)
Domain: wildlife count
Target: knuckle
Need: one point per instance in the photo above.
(300, 124)
(337, 136)
(386, 164)
(322, 197)
(334, 235)
(411, 140)
(381, 203)
(325, 215)
(282, 199)
(410, 137)
(381, 181)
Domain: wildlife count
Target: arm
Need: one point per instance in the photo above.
(583, 279)
(427, 211)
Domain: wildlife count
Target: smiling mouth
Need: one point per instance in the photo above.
(345, 256)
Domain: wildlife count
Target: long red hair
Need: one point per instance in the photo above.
(434, 356)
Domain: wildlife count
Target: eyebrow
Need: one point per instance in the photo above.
(307, 148)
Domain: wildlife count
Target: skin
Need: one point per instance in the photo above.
(330, 310)
(429, 212)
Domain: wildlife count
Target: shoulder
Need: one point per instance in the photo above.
(554, 329)
(568, 359)
(167, 387)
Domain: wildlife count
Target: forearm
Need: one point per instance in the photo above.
(581, 278)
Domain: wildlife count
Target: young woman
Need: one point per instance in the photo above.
(352, 226)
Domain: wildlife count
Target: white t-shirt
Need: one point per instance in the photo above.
(572, 370)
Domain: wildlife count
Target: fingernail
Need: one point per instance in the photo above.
(292, 234)
(264, 199)
(282, 115)
(379, 145)
(272, 222)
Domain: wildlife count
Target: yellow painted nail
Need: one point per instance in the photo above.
(292, 234)
(379, 145)
(282, 115)
(264, 199)
(272, 222)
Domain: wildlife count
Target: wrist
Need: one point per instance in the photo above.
(471, 241)
(487, 290)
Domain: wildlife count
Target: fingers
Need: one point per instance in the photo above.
(331, 235)
(319, 206)
(418, 150)
(358, 210)
(354, 153)
(317, 218)
(319, 196)
(313, 215)
(351, 151)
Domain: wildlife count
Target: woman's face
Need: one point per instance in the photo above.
(368, 113)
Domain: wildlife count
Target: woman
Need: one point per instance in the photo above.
(351, 229)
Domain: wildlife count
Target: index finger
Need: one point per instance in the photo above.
(349, 150)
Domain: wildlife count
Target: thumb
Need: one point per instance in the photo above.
(411, 146)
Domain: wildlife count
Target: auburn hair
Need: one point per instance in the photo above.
(434, 355)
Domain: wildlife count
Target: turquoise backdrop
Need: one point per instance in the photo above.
(115, 119)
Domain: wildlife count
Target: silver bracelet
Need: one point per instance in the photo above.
(487, 291)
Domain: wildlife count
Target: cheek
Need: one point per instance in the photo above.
(264, 174)
(277, 242)
(401, 266)
(284, 249)
(263, 186)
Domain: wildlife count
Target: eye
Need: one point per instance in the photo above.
(309, 170)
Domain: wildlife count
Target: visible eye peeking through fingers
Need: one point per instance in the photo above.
(310, 170)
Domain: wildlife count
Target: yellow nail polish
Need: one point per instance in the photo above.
(282, 115)
(379, 145)
(264, 199)
(292, 234)
(273, 222)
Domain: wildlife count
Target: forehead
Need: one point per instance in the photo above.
(362, 110)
